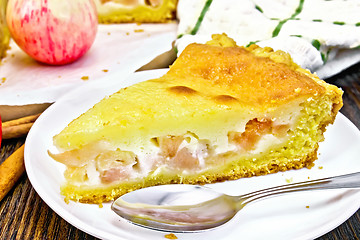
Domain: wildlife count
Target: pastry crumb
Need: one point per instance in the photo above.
(320, 167)
(101, 205)
(66, 200)
(171, 236)
(127, 33)
(105, 70)
(138, 30)
(109, 33)
(85, 78)
(307, 206)
(2, 80)
(289, 180)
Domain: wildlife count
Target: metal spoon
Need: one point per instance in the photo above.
(192, 208)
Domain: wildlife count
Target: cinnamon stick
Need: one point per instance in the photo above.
(11, 170)
(16, 130)
(18, 127)
(22, 120)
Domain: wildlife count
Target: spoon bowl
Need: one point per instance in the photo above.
(178, 208)
(193, 208)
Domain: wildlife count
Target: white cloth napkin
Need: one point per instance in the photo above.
(322, 36)
(118, 49)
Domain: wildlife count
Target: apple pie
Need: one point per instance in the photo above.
(221, 112)
(141, 11)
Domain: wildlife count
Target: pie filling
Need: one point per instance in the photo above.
(182, 154)
(293, 135)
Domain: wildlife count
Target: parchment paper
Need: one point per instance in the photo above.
(121, 49)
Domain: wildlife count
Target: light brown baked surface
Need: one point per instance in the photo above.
(253, 81)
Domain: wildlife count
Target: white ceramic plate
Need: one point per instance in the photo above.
(296, 216)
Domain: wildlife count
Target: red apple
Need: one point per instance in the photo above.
(55, 32)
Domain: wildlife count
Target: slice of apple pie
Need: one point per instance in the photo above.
(221, 112)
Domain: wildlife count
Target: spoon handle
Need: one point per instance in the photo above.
(351, 180)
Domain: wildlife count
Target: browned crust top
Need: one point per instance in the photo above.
(238, 74)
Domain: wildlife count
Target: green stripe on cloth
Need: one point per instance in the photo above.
(339, 23)
(259, 9)
(316, 44)
(282, 22)
(325, 56)
(201, 17)
(251, 43)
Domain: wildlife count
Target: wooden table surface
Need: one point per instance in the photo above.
(24, 215)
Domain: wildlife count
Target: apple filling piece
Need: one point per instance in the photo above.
(254, 130)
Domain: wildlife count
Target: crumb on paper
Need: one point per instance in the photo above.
(85, 78)
(138, 23)
(138, 30)
(307, 206)
(2, 80)
(308, 177)
(289, 180)
(105, 70)
(59, 76)
(171, 236)
(127, 33)
(320, 167)
(66, 200)
(101, 205)
(310, 166)
(109, 33)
